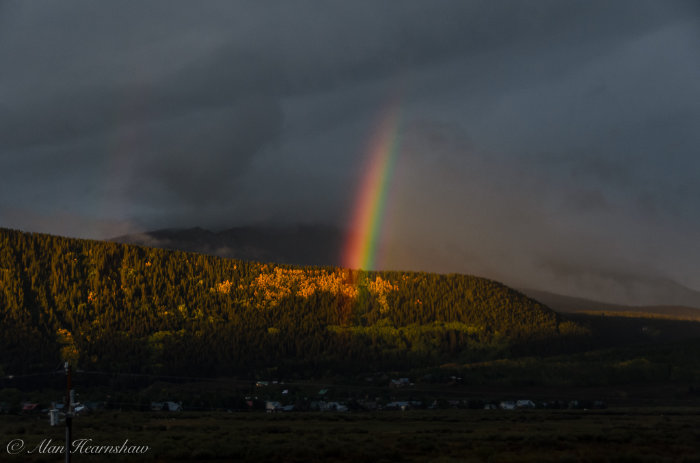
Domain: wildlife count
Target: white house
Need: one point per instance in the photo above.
(173, 406)
(525, 404)
(507, 405)
(166, 406)
(272, 406)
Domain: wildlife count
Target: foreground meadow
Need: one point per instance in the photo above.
(614, 435)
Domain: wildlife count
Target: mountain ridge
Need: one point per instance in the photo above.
(571, 304)
(314, 244)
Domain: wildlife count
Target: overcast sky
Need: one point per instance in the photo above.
(551, 144)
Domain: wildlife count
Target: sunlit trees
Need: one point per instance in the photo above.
(129, 308)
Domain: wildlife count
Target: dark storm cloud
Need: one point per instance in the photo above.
(76, 87)
(534, 132)
(223, 79)
(205, 152)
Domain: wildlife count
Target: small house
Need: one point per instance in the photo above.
(525, 404)
(29, 407)
(507, 405)
(272, 406)
(157, 406)
(401, 382)
(168, 406)
(173, 406)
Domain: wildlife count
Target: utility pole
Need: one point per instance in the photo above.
(69, 411)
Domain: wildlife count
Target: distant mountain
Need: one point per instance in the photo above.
(297, 245)
(568, 304)
(616, 286)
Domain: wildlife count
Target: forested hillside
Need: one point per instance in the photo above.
(115, 307)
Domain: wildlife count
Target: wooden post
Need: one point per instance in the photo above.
(69, 412)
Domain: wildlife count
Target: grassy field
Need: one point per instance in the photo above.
(613, 435)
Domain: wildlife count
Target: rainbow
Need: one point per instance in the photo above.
(360, 250)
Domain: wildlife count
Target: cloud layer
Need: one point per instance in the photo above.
(541, 142)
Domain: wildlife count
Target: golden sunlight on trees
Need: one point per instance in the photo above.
(69, 351)
(272, 287)
(103, 304)
(380, 288)
(224, 287)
